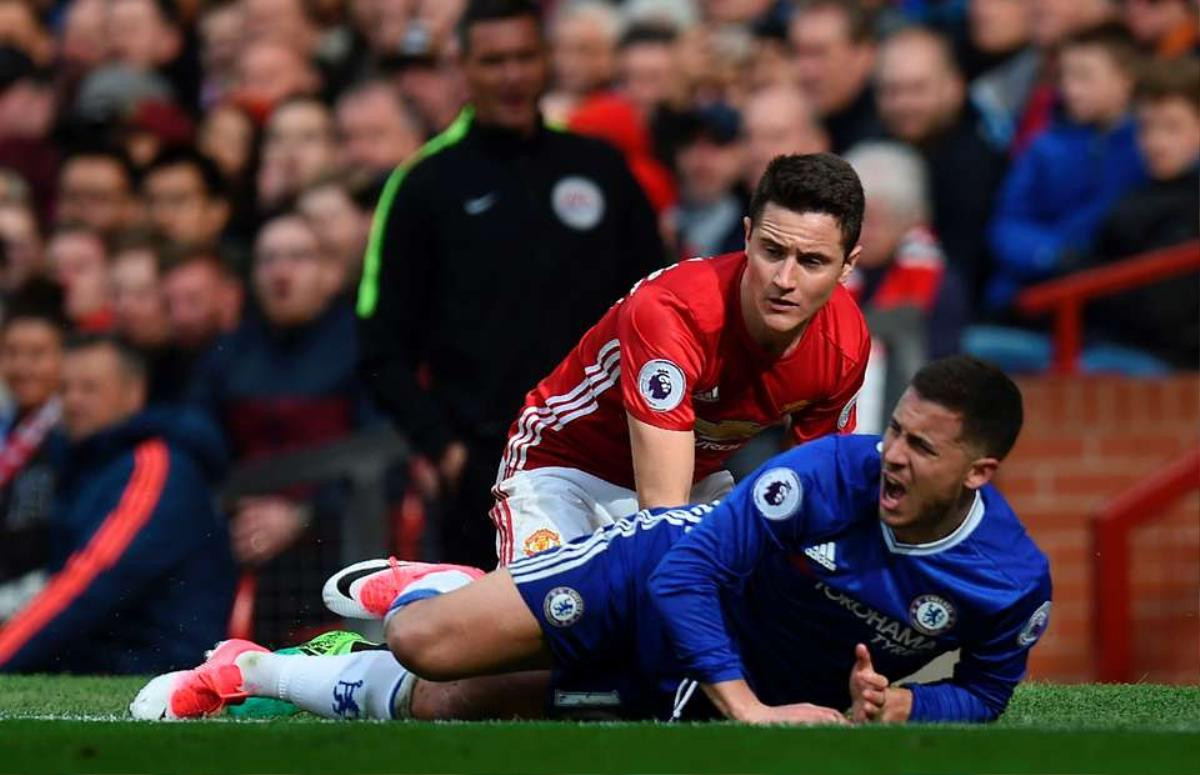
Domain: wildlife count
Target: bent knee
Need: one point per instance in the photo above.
(420, 645)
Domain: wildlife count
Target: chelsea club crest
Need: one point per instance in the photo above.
(563, 606)
(931, 615)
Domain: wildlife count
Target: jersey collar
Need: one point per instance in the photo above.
(960, 534)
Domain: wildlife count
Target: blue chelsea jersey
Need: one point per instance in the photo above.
(794, 568)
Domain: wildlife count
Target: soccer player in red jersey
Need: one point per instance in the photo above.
(695, 361)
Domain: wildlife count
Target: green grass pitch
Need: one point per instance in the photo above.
(55, 724)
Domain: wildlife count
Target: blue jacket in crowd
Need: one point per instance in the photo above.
(143, 577)
(1053, 201)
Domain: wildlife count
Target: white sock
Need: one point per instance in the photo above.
(363, 685)
(432, 585)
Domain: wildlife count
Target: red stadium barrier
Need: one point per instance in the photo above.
(1066, 296)
(1110, 560)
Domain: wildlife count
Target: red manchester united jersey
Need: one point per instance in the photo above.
(675, 354)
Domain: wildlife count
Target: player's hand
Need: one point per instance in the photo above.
(451, 464)
(800, 713)
(868, 689)
(264, 526)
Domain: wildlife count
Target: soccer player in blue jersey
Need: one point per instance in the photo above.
(835, 566)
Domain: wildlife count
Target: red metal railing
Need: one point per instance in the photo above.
(1066, 296)
(1110, 560)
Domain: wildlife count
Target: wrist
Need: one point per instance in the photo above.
(897, 705)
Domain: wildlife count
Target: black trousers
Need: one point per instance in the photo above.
(465, 531)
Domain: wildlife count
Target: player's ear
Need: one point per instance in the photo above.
(851, 260)
(981, 472)
(747, 225)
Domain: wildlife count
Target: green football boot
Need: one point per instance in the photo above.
(331, 643)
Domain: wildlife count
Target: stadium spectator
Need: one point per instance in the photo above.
(28, 111)
(78, 260)
(147, 35)
(285, 380)
(342, 226)
(913, 302)
(21, 27)
(221, 29)
(140, 312)
(376, 131)
(834, 44)
(648, 68)
(184, 197)
(298, 149)
(22, 245)
(1168, 28)
(82, 38)
(499, 211)
(96, 187)
(1052, 22)
(710, 157)
(1056, 194)
(142, 578)
(922, 102)
(1001, 64)
(269, 72)
(204, 298)
(1164, 318)
(31, 352)
(583, 39)
(777, 120)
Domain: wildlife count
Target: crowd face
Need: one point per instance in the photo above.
(998, 26)
(375, 131)
(341, 226)
(1169, 136)
(928, 469)
(195, 303)
(832, 68)
(138, 300)
(778, 121)
(180, 207)
(584, 51)
(227, 137)
(95, 190)
(917, 89)
(293, 281)
(1151, 20)
(80, 264)
(1094, 88)
(97, 391)
(649, 75)
(139, 35)
(505, 69)
(31, 361)
(708, 169)
(794, 263)
(298, 149)
(269, 72)
(22, 245)
(1051, 21)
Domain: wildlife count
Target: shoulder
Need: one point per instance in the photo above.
(592, 151)
(698, 287)
(837, 478)
(845, 329)
(1004, 540)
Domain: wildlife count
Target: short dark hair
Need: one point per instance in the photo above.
(182, 155)
(130, 359)
(103, 151)
(495, 10)
(1115, 38)
(651, 33)
(813, 183)
(988, 400)
(860, 18)
(1178, 78)
(40, 299)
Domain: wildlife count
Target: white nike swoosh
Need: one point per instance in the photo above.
(480, 205)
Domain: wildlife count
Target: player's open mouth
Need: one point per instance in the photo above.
(891, 493)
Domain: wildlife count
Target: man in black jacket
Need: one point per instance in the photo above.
(489, 256)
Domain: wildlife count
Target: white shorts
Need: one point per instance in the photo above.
(541, 508)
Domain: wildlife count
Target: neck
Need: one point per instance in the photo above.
(926, 532)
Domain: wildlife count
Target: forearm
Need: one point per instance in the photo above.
(663, 464)
(897, 705)
(735, 699)
(949, 701)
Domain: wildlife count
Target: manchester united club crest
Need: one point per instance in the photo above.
(540, 541)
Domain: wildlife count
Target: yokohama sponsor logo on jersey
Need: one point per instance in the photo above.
(559, 410)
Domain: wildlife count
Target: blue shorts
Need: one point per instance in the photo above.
(590, 597)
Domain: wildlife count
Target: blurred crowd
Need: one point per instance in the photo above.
(187, 190)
